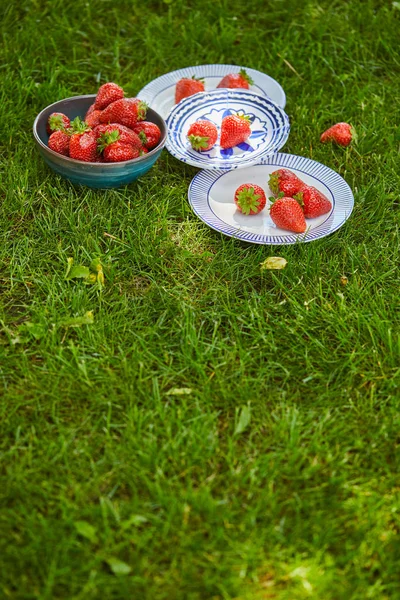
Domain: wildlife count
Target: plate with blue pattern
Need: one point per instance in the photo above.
(269, 128)
(211, 196)
(160, 93)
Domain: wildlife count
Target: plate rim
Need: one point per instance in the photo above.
(145, 89)
(282, 139)
(269, 240)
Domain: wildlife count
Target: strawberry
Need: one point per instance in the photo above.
(127, 111)
(57, 121)
(89, 110)
(235, 129)
(93, 119)
(236, 80)
(59, 142)
(187, 87)
(202, 135)
(126, 135)
(115, 147)
(341, 133)
(108, 93)
(314, 202)
(143, 151)
(250, 199)
(149, 133)
(83, 143)
(286, 213)
(284, 182)
(118, 152)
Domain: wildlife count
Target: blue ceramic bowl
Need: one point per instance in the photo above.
(95, 175)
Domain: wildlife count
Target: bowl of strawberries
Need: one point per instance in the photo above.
(101, 141)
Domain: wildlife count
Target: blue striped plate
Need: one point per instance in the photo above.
(160, 93)
(269, 128)
(211, 196)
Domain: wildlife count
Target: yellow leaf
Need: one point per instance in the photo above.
(273, 262)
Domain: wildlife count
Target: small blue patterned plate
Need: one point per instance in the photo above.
(269, 128)
(160, 93)
(211, 196)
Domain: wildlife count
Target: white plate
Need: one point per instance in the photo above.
(160, 93)
(269, 128)
(211, 196)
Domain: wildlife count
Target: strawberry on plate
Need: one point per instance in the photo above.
(126, 111)
(202, 135)
(59, 142)
(313, 202)
(188, 87)
(285, 182)
(235, 129)
(57, 121)
(286, 213)
(148, 132)
(109, 92)
(236, 80)
(341, 134)
(250, 199)
(83, 142)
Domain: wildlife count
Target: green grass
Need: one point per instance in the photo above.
(100, 457)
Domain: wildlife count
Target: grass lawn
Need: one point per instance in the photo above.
(276, 475)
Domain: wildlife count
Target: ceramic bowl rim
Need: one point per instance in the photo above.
(95, 165)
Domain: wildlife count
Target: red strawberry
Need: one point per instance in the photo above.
(149, 133)
(341, 133)
(57, 121)
(250, 199)
(236, 80)
(286, 213)
(234, 130)
(187, 87)
(284, 182)
(89, 110)
(59, 142)
(109, 92)
(143, 151)
(118, 152)
(314, 202)
(202, 135)
(127, 111)
(126, 135)
(83, 143)
(94, 118)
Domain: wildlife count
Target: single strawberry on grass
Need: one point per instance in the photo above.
(202, 135)
(250, 199)
(83, 142)
(59, 142)
(341, 133)
(285, 182)
(188, 87)
(127, 111)
(236, 80)
(313, 202)
(235, 129)
(149, 133)
(57, 121)
(108, 92)
(286, 213)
